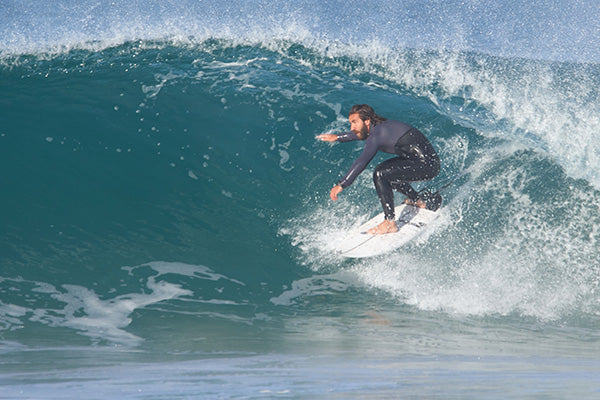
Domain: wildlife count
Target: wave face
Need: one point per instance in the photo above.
(163, 188)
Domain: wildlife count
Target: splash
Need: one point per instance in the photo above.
(543, 29)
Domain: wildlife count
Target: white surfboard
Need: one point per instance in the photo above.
(411, 223)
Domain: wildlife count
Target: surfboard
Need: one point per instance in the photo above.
(411, 222)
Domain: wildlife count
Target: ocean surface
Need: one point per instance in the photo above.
(165, 222)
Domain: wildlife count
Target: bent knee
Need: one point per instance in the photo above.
(378, 174)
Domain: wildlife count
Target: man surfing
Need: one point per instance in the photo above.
(416, 160)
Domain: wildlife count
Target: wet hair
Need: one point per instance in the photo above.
(366, 112)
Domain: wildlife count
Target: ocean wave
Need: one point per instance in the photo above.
(209, 145)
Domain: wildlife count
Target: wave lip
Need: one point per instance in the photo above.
(542, 30)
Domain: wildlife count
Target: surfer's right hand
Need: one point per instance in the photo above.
(327, 137)
(334, 192)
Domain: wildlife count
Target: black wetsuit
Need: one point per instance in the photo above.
(416, 161)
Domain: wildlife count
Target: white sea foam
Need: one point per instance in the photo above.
(313, 286)
(106, 318)
(190, 270)
(507, 243)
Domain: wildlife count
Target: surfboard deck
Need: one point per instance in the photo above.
(411, 222)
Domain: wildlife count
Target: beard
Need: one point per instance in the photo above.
(362, 133)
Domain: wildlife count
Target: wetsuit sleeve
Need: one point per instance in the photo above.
(359, 164)
(347, 137)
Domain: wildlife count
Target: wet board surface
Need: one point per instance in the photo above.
(411, 222)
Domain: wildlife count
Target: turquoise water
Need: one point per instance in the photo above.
(166, 223)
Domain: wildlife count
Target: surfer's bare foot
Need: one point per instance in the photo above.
(418, 203)
(387, 226)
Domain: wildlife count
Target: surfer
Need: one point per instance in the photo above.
(416, 160)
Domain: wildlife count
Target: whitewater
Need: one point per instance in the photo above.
(166, 230)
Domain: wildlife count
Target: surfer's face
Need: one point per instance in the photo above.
(358, 126)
